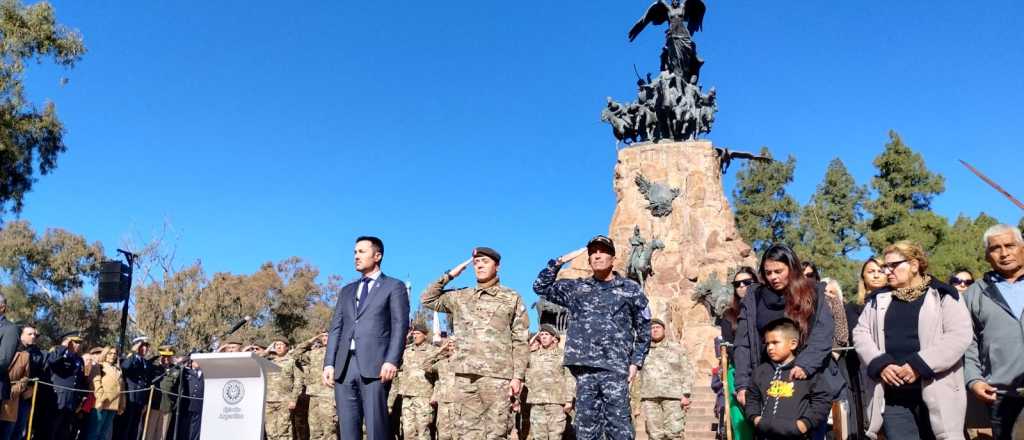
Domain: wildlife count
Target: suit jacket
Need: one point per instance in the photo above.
(378, 327)
(10, 339)
(137, 375)
(194, 388)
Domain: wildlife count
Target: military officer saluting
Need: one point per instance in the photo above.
(416, 387)
(551, 388)
(443, 397)
(608, 338)
(491, 352)
(665, 386)
(323, 418)
(283, 390)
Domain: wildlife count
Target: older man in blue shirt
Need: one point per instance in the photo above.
(994, 367)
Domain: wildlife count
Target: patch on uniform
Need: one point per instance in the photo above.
(780, 389)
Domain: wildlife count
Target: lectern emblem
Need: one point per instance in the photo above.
(233, 392)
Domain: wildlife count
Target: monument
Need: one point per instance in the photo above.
(668, 187)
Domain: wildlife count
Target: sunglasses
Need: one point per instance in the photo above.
(891, 267)
(742, 283)
(957, 281)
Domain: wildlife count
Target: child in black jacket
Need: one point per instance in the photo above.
(780, 407)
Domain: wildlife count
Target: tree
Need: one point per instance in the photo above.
(30, 137)
(831, 225)
(42, 278)
(764, 211)
(904, 191)
(961, 248)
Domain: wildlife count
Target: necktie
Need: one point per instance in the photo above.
(364, 288)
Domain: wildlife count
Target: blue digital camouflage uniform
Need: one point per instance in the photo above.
(609, 329)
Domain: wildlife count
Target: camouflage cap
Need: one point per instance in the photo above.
(483, 251)
(420, 327)
(658, 322)
(549, 329)
(601, 241)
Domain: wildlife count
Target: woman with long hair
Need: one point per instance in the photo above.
(745, 277)
(871, 279)
(786, 293)
(912, 336)
(105, 377)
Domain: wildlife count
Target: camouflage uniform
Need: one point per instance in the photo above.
(416, 389)
(610, 329)
(665, 379)
(491, 350)
(443, 395)
(551, 386)
(323, 417)
(283, 387)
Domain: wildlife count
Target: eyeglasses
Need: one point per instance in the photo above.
(891, 267)
(742, 283)
(958, 281)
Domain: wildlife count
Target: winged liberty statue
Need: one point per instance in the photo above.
(679, 56)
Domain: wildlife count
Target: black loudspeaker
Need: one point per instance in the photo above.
(115, 282)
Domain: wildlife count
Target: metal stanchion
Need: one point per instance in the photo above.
(32, 409)
(727, 413)
(149, 407)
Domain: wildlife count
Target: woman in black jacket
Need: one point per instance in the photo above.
(786, 293)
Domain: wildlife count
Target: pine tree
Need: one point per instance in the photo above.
(764, 211)
(961, 248)
(830, 227)
(904, 188)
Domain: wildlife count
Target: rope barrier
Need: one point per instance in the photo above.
(144, 390)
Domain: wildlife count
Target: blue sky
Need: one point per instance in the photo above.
(262, 130)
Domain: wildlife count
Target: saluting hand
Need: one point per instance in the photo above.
(457, 270)
(571, 255)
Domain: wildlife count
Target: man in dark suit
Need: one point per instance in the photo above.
(137, 373)
(365, 344)
(10, 339)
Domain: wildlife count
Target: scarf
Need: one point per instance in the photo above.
(911, 293)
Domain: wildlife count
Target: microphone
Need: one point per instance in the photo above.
(239, 325)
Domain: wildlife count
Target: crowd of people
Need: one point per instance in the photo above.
(905, 360)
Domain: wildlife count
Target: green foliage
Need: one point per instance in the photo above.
(831, 225)
(764, 211)
(30, 137)
(961, 248)
(902, 207)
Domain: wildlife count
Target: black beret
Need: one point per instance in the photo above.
(487, 252)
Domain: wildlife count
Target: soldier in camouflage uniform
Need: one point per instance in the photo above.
(283, 390)
(443, 396)
(551, 388)
(664, 388)
(416, 387)
(491, 352)
(323, 418)
(608, 338)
